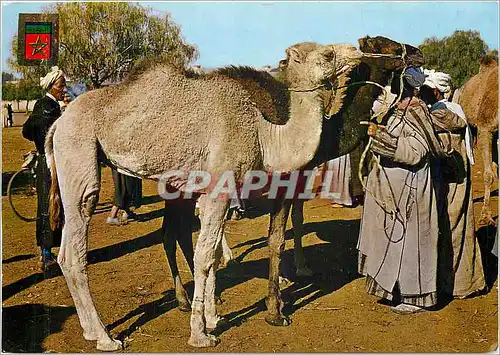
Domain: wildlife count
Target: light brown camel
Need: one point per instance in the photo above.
(185, 124)
(340, 134)
(479, 100)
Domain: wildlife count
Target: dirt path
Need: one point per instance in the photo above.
(131, 282)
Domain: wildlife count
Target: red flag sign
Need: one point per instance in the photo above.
(37, 39)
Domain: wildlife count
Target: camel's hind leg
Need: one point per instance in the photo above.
(79, 181)
(177, 227)
(485, 145)
(298, 231)
(213, 212)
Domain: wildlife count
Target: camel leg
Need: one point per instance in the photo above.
(298, 250)
(485, 145)
(211, 316)
(175, 228)
(79, 184)
(186, 234)
(212, 228)
(277, 226)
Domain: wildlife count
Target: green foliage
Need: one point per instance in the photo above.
(22, 90)
(9, 92)
(458, 55)
(29, 90)
(101, 41)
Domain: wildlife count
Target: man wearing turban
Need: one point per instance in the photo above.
(460, 267)
(399, 228)
(45, 112)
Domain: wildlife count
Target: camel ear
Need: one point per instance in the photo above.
(328, 53)
(294, 54)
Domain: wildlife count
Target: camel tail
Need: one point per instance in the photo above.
(55, 205)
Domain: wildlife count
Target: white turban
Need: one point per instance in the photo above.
(48, 80)
(437, 80)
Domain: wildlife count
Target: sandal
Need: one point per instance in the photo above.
(115, 221)
(405, 309)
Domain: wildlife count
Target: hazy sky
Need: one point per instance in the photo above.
(257, 33)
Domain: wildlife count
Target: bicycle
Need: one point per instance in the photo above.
(21, 190)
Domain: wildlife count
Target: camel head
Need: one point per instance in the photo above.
(392, 51)
(309, 65)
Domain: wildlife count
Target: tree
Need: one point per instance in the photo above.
(101, 41)
(9, 92)
(7, 77)
(458, 55)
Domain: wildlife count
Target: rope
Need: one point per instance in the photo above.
(307, 90)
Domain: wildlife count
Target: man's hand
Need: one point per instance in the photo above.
(372, 127)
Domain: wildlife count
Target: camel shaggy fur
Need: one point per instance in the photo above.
(479, 100)
(185, 124)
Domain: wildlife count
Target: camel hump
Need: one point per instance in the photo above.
(269, 94)
(488, 61)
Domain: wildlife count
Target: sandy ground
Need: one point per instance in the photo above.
(131, 282)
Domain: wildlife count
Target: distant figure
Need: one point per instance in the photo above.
(344, 181)
(65, 102)
(10, 121)
(45, 113)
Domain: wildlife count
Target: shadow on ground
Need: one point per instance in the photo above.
(25, 327)
(18, 258)
(486, 238)
(481, 199)
(334, 263)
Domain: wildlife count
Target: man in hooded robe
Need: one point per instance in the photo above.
(460, 267)
(398, 237)
(45, 112)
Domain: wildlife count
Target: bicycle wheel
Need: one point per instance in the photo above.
(21, 192)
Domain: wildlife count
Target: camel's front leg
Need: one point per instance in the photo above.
(484, 142)
(277, 226)
(212, 228)
(298, 231)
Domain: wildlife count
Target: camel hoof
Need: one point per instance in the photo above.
(89, 335)
(231, 262)
(109, 345)
(304, 272)
(204, 341)
(184, 307)
(219, 300)
(284, 282)
(278, 321)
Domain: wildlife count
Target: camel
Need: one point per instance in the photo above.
(340, 135)
(479, 100)
(185, 124)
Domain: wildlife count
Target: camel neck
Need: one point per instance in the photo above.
(291, 146)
